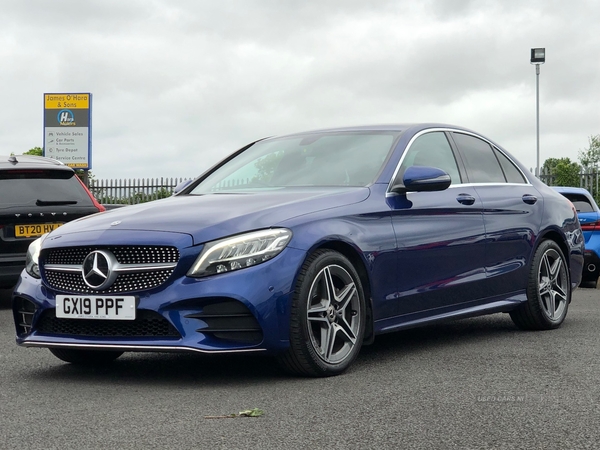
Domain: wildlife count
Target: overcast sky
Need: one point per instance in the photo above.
(179, 84)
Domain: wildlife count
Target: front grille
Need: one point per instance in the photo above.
(124, 254)
(146, 324)
(67, 276)
(229, 320)
(127, 282)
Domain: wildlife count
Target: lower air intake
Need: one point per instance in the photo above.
(146, 324)
(229, 320)
(24, 311)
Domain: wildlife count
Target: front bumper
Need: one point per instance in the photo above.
(241, 311)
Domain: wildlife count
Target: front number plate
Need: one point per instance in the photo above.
(95, 307)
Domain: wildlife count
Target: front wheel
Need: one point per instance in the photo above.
(548, 290)
(327, 317)
(85, 357)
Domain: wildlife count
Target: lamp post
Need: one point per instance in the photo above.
(538, 56)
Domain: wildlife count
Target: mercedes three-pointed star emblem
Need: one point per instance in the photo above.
(98, 269)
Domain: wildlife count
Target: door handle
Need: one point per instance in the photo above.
(529, 199)
(465, 199)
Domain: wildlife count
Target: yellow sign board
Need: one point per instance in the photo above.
(72, 101)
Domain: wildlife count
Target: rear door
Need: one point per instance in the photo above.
(512, 212)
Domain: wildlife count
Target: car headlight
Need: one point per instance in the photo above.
(238, 252)
(33, 254)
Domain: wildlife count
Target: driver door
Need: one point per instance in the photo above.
(440, 235)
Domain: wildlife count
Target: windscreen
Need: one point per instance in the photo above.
(320, 159)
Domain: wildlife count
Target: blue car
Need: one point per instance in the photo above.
(306, 247)
(589, 217)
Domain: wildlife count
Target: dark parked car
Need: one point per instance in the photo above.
(589, 217)
(307, 246)
(37, 195)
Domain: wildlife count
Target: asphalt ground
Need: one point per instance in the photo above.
(471, 384)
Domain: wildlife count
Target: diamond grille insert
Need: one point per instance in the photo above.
(125, 255)
(66, 276)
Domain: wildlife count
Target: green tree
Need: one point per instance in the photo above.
(35, 151)
(590, 157)
(562, 171)
(567, 173)
(549, 165)
(590, 160)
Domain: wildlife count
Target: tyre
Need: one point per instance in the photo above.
(548, 290)
(327, 321)
(87, 357)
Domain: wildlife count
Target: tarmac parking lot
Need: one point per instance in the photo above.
(471, 384)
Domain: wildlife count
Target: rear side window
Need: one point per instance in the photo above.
(481, 163)
(512, 174)
(40, 187)
(581, 202)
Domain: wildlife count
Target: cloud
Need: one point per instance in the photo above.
(178, 85)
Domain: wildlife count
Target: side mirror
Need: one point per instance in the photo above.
(422, 179)
(181, 186)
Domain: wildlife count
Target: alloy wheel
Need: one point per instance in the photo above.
(333, 313)
(552, 284)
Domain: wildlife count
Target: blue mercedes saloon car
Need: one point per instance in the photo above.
(306, 247)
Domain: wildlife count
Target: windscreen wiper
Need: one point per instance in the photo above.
(55, 202)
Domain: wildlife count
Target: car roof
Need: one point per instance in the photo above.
(571, 190)
(30, 161)
(398, 127)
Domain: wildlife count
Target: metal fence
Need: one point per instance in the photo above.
(132, 191)
(140, 190)
(588, 180)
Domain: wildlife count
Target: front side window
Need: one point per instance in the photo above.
(480, 161)
(319, 159)
(433, 150)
